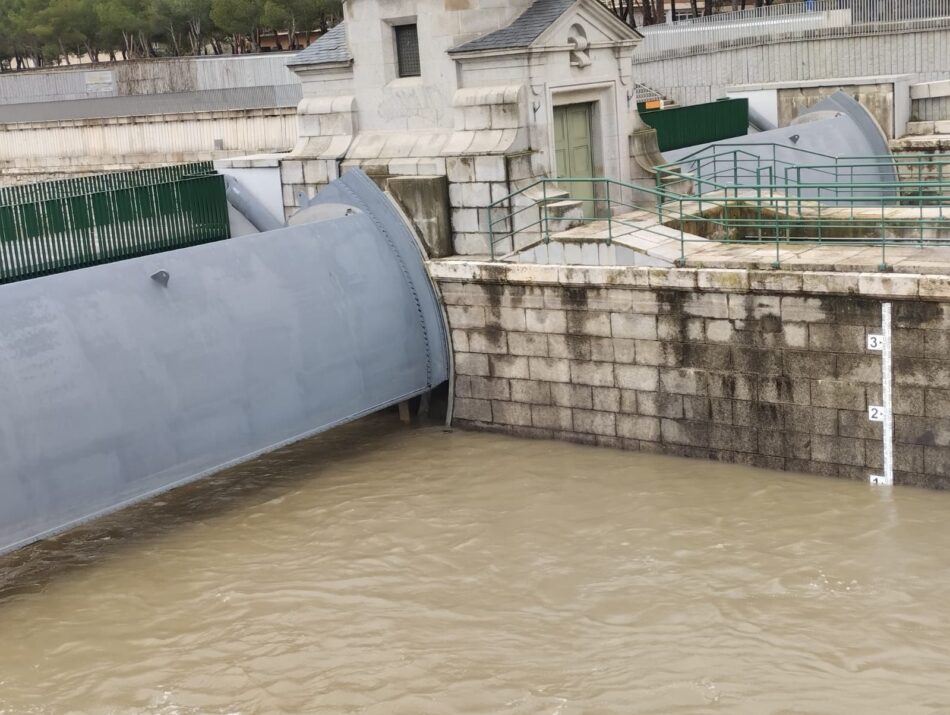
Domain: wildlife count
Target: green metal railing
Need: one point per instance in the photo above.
(724, 166)
(61, 226)
(749, 200)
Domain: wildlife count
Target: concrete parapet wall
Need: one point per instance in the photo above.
(146, 77)
(704, 77)
(767, 368)
(933, 110)
(40, 150)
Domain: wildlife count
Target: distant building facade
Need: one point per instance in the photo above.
(490, 94)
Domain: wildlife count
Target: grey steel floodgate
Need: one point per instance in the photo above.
(122, 380)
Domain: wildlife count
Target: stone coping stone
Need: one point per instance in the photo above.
(200, 115)
(900, 286)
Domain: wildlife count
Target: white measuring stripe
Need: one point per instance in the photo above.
(884, 413)
(886, 394)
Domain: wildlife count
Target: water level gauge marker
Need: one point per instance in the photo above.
(883, 413)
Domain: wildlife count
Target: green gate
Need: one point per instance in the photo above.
(679, 127)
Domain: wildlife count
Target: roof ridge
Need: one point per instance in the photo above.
(523, 30)
(330, 48)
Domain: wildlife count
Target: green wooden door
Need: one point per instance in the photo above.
(575, 151)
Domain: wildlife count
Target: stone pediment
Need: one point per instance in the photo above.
(590, 20)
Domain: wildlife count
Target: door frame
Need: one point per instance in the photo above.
(588, 194)
(610, 156)
(589, 110)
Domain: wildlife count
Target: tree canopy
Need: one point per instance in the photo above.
(49, 32)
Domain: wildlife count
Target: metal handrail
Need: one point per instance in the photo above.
(766, 212)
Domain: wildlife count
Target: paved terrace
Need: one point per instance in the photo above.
(640, 232)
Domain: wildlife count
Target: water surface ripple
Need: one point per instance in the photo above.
(381, 569)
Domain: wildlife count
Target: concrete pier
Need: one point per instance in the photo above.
(760, 367)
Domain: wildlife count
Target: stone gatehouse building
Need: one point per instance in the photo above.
(481, 95)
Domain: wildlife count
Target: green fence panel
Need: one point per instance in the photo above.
(61, 226)
(679, 127)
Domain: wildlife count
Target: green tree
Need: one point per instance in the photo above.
(241, 19)
(7, 41)
(121, 22)
(67, 27)
(184, 22)
(43, 32)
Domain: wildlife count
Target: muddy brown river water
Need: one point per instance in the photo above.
(384, 569)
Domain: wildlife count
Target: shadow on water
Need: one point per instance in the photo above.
(31, 568)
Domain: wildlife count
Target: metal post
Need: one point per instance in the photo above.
(682, 259)
(610, 215)
(544, 203)
(883, 266)
(491, 232)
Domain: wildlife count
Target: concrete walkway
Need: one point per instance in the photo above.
(640, 232)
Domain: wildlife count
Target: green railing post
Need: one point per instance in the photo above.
(883, 266)
(610, 214)
(491, 232)
(682, 259)
(544, 203)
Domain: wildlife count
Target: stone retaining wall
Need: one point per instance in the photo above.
(703, 76)
(763, 368)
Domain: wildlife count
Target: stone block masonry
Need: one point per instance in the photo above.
(751, 368)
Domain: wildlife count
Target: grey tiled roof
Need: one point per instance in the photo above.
(331, 48)
(523, 31)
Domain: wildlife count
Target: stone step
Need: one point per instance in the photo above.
(564, 207)
(928, 128)
(550, 194)
(565, 214)
(930, 90)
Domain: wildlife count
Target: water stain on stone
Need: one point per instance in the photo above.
(729, 386)
(496, 336)
(917, 314)
(770, 416)
(769, 323)
(493, 318)
(671, 301)
(852, 310)
(495, 293)
(579, 346)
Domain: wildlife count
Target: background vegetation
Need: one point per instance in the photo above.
(39, 33)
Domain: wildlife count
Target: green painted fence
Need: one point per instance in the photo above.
(63, 225)
(679, 127)
(10, 195)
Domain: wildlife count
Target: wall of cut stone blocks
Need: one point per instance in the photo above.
(304, 176)
(761, 368)
(475, 183)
